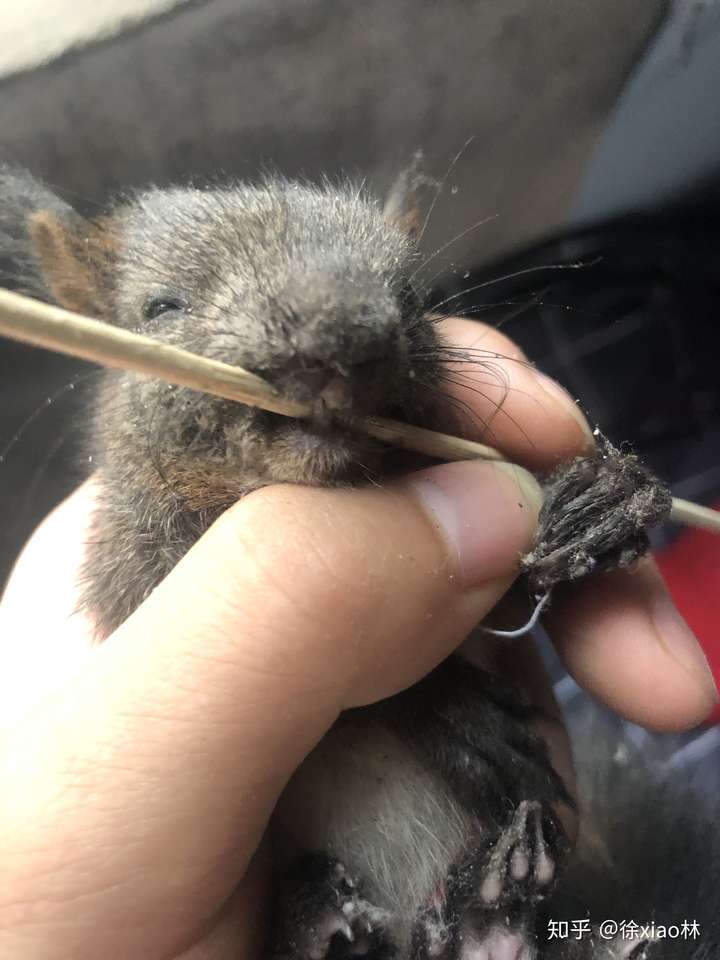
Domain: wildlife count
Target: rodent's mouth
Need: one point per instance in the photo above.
(324, 436)
(320, 450)
(332, 450)
(224, 455)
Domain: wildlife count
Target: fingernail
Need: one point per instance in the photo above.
(487, 512)
(559, 395)
(676, 637)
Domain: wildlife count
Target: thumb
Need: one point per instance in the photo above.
(148, 781)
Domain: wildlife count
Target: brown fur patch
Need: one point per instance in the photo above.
(77, 256)
(410, 197)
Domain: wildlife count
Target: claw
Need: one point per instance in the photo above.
(324, 906)
(331, 925)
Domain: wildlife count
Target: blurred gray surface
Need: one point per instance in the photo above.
(663, 139)
(317, 87)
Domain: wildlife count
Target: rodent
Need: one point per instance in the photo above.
(317, 281)
(176, 263)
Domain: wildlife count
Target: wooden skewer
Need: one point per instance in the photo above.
(695, 515)
(45, 325)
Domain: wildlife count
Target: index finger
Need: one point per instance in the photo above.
(619, 634)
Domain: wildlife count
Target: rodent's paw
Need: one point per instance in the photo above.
(521, 864)
(493, 894)
(433, 934)
(465, 938)
(324, 914)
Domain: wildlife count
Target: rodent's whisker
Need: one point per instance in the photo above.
(445, 246)
(468, 381)
(529, 304)
(441, 185)
(61, 392)
(499, 405)
(463, 410)
(533, 300)
(30, 488)
(463, 356)
(578, 265)
(475, 366)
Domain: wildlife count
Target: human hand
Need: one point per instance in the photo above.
(137, 777)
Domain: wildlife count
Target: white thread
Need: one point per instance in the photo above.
(521, 631)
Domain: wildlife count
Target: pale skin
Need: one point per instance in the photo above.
(137, 777)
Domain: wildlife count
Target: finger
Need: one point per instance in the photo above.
(503, 401)
(239, 928)
(148, 781)
(56, 637)
(624, 641)
(621, 635)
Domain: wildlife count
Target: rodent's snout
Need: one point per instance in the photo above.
(348, 357)
(345, 387)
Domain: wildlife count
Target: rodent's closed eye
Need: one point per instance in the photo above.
(155, 306)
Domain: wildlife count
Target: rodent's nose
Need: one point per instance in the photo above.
(299, 381)
(360, 388)
(343, 340)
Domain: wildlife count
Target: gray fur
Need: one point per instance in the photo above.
(419, 828)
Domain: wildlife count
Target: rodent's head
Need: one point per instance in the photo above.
(308, 287)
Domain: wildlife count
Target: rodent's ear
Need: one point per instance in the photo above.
(76, 257)
(409, 198)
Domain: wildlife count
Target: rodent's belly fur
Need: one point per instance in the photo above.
(364, 797)
(423, 799)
